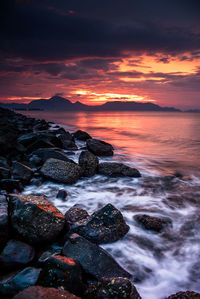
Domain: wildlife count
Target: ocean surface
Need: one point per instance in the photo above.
(165, 148)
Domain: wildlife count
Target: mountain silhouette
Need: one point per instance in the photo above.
(57, 103)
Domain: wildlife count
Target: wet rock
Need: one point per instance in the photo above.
(185, 295)
(35, 160)
(104, 226)
(39, 144)
(117, 169)
(22, 172)
(38, 292)
(82, 135)
(16, 253)
(62, 194)
(4, 225)
(27, 139)
(41, 125)
(89, 163)
(11, 185)
(34, 218)
(66, 140)
(94, 260)
(47, 153)
(112, 288)
(61, 171)
(153, 223)
(99, 147)
(62, 272)
(16, 283)
(76, 215)
(4, 173)
(47, 254)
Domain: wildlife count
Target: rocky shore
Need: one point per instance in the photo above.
(45, 254)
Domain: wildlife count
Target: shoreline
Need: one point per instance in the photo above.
(32, 152)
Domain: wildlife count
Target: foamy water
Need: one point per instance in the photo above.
(163, 263)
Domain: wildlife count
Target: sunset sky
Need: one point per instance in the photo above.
(97, 51)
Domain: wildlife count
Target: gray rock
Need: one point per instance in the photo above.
(99, 147)
(62, 194)
(89, 163)
(82, 135)
(22, 172)
(152, 223)
(47, 153)
(61, 171)
(117, 169)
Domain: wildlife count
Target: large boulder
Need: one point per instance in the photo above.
(4, 224)
(47, 153)
(34, 218)
(112, 288)
(38, 292)
(39, 143)
(104, 226)
(61, 171)
(22, 172)
(16, 253)
(82, 135)
(89, 163)
(66, 140)
(99, 147)
(152, 223)
(185, 295)
(76, 215)
(117, 169)
(18, 282)
(62, 272)
(94, 260)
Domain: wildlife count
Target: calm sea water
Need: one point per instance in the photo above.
(159, 145)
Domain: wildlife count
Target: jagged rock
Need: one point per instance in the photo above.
(152, 223)
(62, 194)
(61, 171)
(94, 260)
(16, 253)
(117, 169)
(4, 225)
(47, 153)
(112, 288)
(89, 163)
(38, 292)
(34, 218)
(62, 272)
(104, 226)
(11, 185)
(16, 283)
(22, 172)
(76, 215)
(99, 147)
(82, 135)
(66, 139)
(185, 295)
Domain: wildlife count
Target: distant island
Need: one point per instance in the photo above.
(57, 103)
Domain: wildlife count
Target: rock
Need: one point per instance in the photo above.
(34, 218)
(117, 169)
(94, 260)
(74, 215)
(61, 171)
(99, 147)
(4, 224)
(16, 253)
(4, 173)
(27, 139)
(112, 288)
(62, 272)
(41, 125)
(38, 292)
(47, 254)
(89, 163)
(82, 135)
(66, 140)
(39, 144)
(3, 162)
(11, 185)
(104, 226)
(22, 172)
(185, 295)
(47, 153)
(152, 223)
(14, 284)
(62, 194)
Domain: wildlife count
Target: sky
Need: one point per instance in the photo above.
(98, 51)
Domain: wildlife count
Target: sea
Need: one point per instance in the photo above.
(165, 148)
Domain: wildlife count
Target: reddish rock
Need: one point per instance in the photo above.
(44, 293)
(185, 295)
(34, 218)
